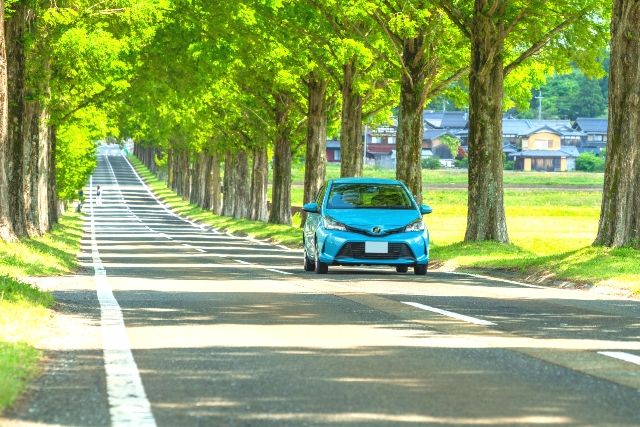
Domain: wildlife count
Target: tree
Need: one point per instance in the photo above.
(6, 227)
(620, 215)
(429, 55)
(507, 35)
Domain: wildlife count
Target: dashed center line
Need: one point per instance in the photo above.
(451, 314)
(278, 271)
(627, 357)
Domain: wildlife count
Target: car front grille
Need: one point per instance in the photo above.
(370, 233)
(356, 250)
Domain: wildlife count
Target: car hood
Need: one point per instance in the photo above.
(366, 219)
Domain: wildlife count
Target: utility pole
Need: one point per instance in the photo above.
(539, 98)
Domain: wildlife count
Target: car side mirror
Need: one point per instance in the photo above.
(310, 207)
(425, 209)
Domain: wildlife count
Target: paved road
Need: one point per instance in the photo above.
(173, 324)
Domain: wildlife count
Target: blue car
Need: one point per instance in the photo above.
(365, 221)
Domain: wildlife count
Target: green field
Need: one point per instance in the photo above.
(459, 177)
(25, 309)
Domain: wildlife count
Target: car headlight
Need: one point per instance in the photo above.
(415, 226)
(331, 224)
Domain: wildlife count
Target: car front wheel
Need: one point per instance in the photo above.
(309, 265)
(420, 270)
(322, 267)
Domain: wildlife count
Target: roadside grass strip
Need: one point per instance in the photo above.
(550, 230)
(25, 309)
(24, 314)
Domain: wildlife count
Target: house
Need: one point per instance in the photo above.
(595, 133)
(542, 150)
(333, 151)
(432, 144)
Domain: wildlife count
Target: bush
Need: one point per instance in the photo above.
(431, 163)
(462, 163)
(509, 165)
(589, 162)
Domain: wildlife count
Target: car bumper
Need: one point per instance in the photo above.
(335, 247)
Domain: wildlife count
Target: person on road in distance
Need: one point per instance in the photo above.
(80, 200)
(98, 196)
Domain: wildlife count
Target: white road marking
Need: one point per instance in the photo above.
(200, 250)
(128, 403)
(627, 357)
(494, 279)
(242, 262)
(277, 271)
(452, 314)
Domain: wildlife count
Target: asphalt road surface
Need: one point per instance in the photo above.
(173, 324)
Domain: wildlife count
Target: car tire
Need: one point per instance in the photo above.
(321, 267)
(420, 270)
(402, 268)
(309, 264)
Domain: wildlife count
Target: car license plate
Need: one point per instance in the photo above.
(376, 247)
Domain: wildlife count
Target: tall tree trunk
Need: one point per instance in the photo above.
(15, 38)
(44, 148)
(351, 142)
(30, 146)
(620, 214)
(316, 158)
(486, 217)
(410, 128)
(229, 186)
(242, 205)
(196, 181)
(170, 168)
(186, 175)
(52, 184)
(259, 183)
(6, 227)
(215, 192)
(201, 180)
(281, 190)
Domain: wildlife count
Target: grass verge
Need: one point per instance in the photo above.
(25, 309)
(551, 233)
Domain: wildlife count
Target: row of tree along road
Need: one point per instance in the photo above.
(243, 86)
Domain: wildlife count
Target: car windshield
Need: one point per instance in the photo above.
(368, 196)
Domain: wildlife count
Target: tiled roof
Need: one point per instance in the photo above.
(454, 120)
(565, 151)
(431, 134)
(589, 125)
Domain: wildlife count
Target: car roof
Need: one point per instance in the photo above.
(364, 181)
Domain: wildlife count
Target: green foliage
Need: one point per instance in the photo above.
(431, 162)
(76, 149)
(570, 96)
(452, 143)
(589, 162)
(462, 163)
